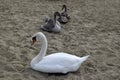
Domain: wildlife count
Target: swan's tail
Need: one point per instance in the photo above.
(82, 59)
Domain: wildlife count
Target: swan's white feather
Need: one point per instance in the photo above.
(59, 63)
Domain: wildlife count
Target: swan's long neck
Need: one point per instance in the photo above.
(43, 48)
(65, 8)
(42, 51)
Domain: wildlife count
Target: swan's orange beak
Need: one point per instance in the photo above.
(33, 42)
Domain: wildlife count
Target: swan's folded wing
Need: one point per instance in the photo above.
(59, 59)
(48, 26)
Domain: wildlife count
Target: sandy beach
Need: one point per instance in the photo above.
(94, 29)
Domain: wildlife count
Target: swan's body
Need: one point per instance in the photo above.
(52, 25)
(64, 18)
(57, 62)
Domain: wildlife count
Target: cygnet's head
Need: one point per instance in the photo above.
(36, 37)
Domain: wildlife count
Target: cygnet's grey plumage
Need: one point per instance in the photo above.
(52, 25)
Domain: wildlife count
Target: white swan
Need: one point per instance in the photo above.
(55, 63)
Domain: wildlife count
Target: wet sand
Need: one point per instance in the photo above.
(94, 29)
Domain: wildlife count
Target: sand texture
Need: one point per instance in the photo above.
(94, 30)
